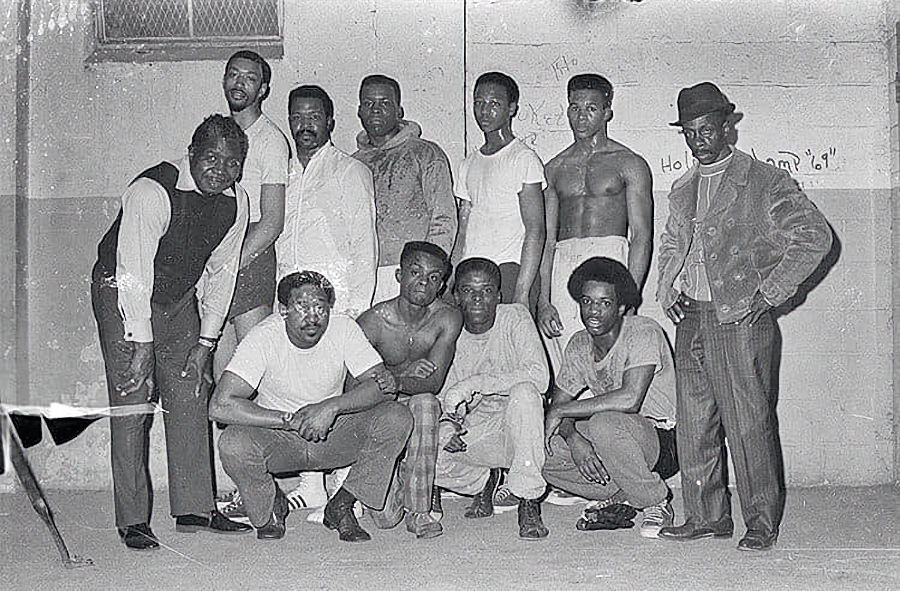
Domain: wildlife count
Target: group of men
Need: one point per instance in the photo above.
(420, 317)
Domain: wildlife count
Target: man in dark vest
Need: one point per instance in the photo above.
(161, 289)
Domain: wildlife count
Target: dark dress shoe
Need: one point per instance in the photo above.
(483, 502)
(274, 529)
(690, 531)
(139, 537)
(757, 541)
(339, 516)
(215, 523)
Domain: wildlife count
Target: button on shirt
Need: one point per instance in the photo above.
(329, 226)
(694, 281)
(146, 212)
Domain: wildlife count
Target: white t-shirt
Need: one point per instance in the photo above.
(288, 377)
(266, 163)
(492, 184)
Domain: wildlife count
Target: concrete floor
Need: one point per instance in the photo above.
(832, 538)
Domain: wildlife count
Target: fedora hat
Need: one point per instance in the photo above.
(702, 99)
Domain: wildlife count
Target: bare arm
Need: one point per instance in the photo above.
(639, 200)
(531, 206)
(231, 404)
(440, 355)
(463, 210)
(548, 316)
(628, 398)
(262, 234)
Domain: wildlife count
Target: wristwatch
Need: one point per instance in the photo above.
(286, 419)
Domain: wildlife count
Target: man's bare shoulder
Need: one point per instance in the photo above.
(377, 315)
(446, 314)
(563, 157)
(626, 158)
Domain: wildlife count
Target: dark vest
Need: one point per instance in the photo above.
(197, 225)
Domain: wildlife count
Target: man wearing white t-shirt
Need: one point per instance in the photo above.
(302, 419)
(500, 191)
(246, 85)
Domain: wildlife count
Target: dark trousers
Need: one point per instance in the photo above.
(725, 391)
(370, 441)
(186, 420)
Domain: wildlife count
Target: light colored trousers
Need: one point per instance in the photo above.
(504, 431)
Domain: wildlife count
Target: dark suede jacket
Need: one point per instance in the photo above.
(761, 234)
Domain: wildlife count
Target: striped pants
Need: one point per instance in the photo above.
(726, 391)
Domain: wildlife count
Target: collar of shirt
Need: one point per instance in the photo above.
(716, 167)
(297, 168)
(185, 180)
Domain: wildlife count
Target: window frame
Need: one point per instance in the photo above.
(179, 48)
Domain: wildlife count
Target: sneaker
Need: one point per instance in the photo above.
(233, 509)
(655, 518)
(505, 500)
(564, 499)
(309, 494)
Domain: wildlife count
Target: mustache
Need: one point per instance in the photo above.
(303, 130)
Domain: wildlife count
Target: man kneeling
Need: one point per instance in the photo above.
(302, 419)
(493, 413)
(604, 445)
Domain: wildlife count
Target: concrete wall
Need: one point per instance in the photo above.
(809, 75)
(814, 81)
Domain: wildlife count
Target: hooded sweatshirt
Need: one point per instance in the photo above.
(413, 191)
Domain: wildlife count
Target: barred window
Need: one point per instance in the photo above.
(145, 30)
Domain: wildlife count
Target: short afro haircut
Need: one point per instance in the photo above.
(500, 79)
(474, 265)
(591, 82)
(316, 92)
(298, 279)
(219, 127)
(607, 271)
(414, 246)
(383, 80)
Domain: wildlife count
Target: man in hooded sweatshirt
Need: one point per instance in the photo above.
(413, 190)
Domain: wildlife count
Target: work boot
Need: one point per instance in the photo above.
(274, 529)
(483, 502)
(339, 516)
(531, 526)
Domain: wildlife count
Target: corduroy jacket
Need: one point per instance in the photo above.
(761, 233)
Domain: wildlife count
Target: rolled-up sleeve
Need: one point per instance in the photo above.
(145, 218)
(216, 285)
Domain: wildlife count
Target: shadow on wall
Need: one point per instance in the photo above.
(815, 278)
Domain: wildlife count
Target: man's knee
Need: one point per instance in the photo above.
(527, 395)
(604, 428)
(235, 444)
(425, 408)
(394, 419)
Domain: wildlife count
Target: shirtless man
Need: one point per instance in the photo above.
(415, 333)
(599, 192)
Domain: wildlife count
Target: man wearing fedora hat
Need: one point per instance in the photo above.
(740, 238)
